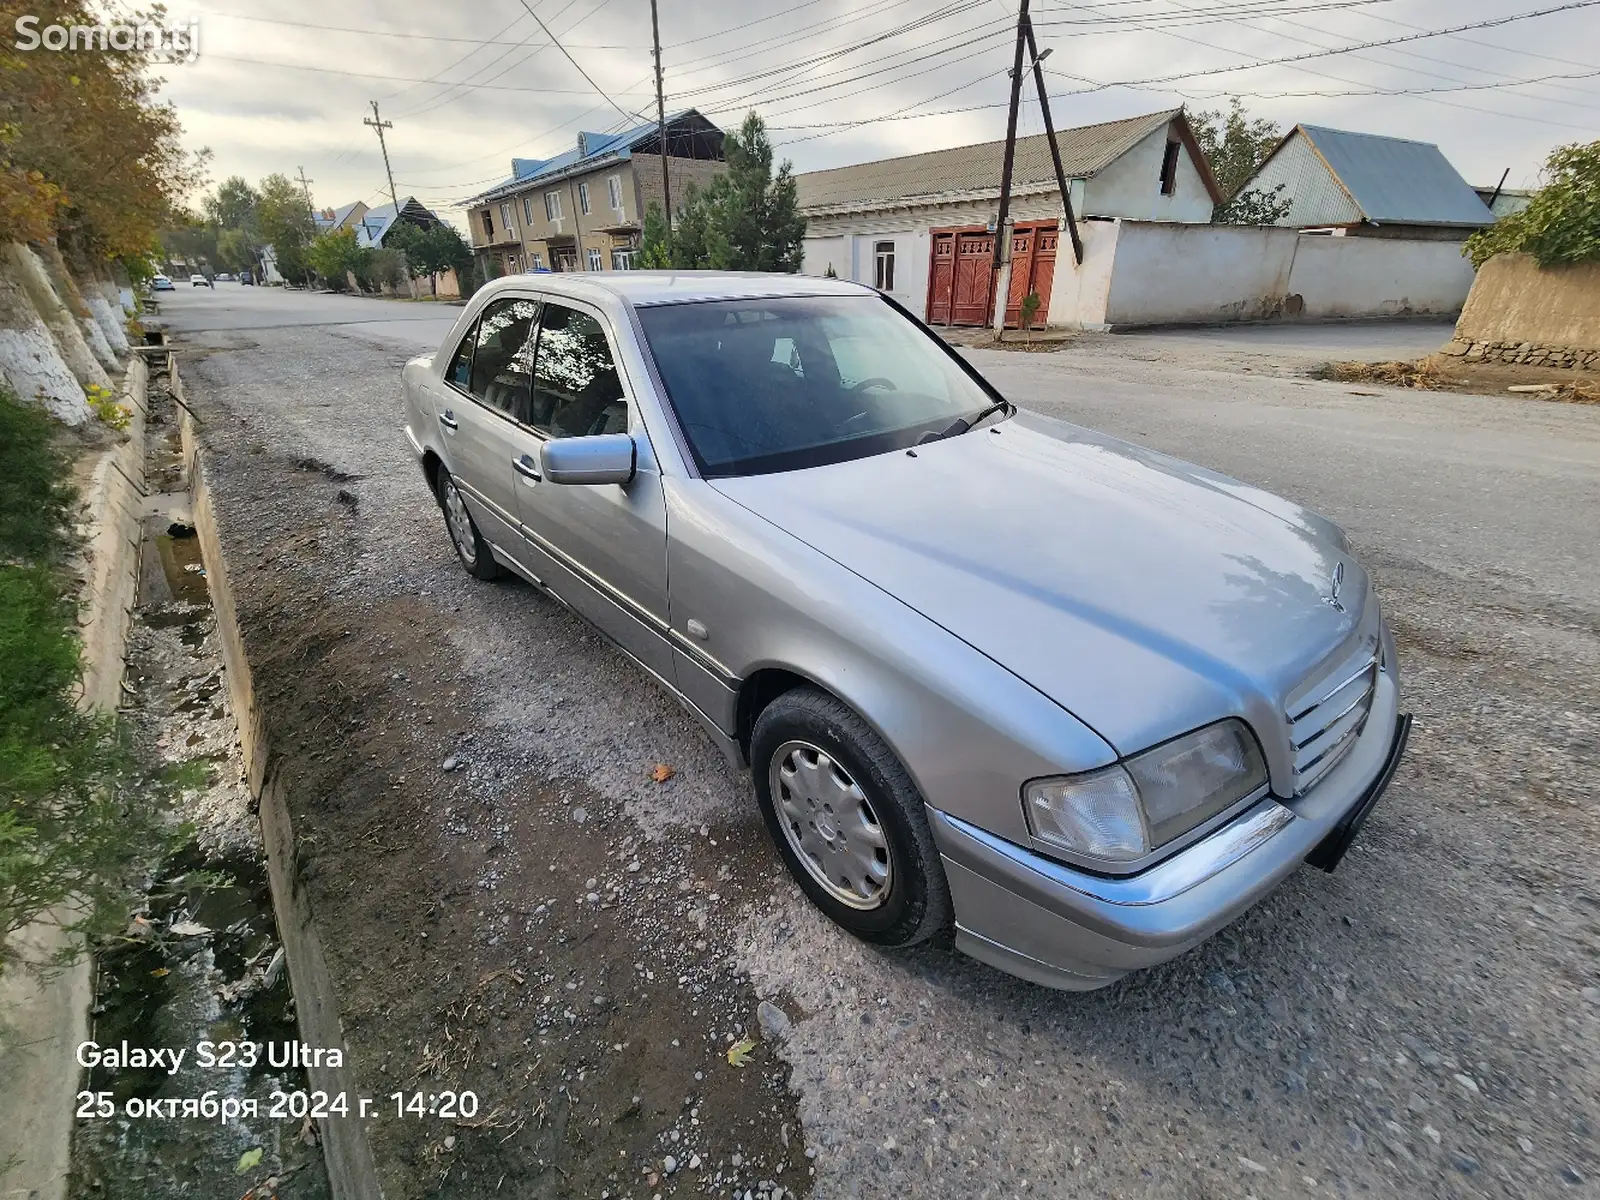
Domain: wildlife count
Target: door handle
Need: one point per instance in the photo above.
(526, 467)
(448, 419)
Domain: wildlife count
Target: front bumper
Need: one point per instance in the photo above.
(1056, 925)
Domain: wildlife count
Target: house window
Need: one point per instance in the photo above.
(505, 215)
(527, 211)
(883, 273)
(537, 262)
(594, 259)
(511, 264)
(614, 186)
(488, 223)
(622, 260)
(583, 198)
(552, 206)
(1169, 168)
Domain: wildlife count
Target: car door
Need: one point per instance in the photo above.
(483, 381)
(604, 545)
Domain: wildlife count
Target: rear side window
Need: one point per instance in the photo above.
(460, 372)
(576, 389)
(502, 355)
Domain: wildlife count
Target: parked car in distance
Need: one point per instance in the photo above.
(198, 281)
(1078, 703)
(246, 278)
(160, 283)
(225, 277)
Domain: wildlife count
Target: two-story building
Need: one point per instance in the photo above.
(583, 210)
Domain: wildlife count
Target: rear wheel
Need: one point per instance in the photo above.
(847, 819)
(471, 549)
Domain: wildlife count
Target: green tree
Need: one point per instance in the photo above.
(1562, 221)
(233, 206)
(235, 252)
(294, 263)
(1254, 206)
(335, 256)
(748, 219)
(1233, 143)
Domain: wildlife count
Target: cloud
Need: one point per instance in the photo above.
(469, 88)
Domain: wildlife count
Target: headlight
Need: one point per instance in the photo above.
(1121, 813)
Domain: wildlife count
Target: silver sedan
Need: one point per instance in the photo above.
(1073, 702)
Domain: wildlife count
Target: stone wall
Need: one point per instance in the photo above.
(1532, 354)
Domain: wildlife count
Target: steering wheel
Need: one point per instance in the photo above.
(877, 381)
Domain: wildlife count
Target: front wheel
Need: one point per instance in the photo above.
(847, 820)
(471, 549)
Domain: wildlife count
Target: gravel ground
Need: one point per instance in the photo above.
(1426, 1021)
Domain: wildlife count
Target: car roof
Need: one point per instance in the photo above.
(644, 288)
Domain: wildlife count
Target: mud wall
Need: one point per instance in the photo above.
(1514, 301)
(352, 1171)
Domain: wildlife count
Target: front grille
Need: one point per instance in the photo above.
(1326, 723)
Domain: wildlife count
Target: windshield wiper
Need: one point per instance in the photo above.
(962, 424)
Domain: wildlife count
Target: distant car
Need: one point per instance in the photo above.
(198, 281)
(246, 278)
(225, 278)
(161, 283)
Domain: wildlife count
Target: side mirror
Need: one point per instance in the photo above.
(598, 458)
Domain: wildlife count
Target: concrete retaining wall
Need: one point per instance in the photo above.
(1514, 301)
(352, 1171)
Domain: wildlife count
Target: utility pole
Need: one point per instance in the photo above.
(661, 119)
(305, 186)
(1002, 233)
(1055, 148)
(380, 125)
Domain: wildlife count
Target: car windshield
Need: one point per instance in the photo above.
(765, 385)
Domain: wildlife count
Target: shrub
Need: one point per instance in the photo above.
(1562, 221)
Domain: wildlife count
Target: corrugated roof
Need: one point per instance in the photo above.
(1397, 182)
(1085, 150)
(591, 146)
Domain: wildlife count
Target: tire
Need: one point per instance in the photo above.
(476, 557)
(805, 749)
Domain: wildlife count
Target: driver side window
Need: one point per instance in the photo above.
(502, 359)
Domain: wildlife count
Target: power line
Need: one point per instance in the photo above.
(399, 79)
(423, 37)
(596, 86)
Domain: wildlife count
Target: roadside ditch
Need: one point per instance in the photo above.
(202, 961)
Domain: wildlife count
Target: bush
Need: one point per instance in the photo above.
(1562, 221)
(80, 822)
(336, 256)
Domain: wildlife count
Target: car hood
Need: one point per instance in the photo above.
(1145, 595)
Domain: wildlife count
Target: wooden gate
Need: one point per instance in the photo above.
(1033, 269)
(961, 276)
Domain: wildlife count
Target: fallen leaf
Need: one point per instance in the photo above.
(248, 1161)
(160, 971)
(662, 773)
(739, 1052)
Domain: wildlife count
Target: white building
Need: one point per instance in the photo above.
(921, 227)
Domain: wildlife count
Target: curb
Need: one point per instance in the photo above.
(352, 1170)
(39, 1073)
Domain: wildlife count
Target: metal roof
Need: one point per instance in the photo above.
(966, 170)
(1394, 181)
(591, 150)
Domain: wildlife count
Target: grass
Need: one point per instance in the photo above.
(81, 820)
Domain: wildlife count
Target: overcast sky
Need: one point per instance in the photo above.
(285, 84)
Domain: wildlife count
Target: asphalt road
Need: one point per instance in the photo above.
(1424, 1022)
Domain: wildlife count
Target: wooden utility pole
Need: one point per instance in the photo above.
(661, 119)
(380, 125)
(1002, 234)
(305, 186)
(1055, 148)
